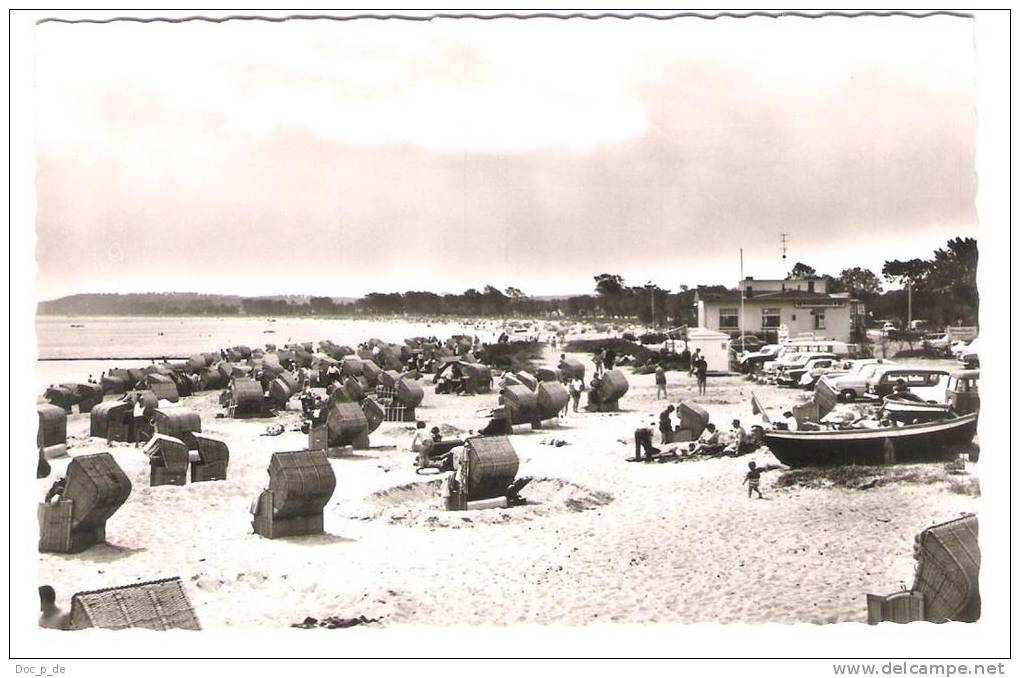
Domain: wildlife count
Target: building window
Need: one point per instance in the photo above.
(728, 319)
(819, 320)
(770, 318)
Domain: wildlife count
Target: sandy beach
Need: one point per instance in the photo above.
(600, 540)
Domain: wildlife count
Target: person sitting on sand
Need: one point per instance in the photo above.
(753, 478)
(739, 443)
(643, 441)
(708, 442)
(51, 616)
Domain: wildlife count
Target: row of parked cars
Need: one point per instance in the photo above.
(802, 363)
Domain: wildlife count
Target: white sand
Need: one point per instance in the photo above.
(604, 540)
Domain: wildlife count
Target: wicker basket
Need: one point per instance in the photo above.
(388, 378)
(572, 368)
(353, 389)
(226, 370)
(87, 395)
(52, 425)
(164, 387)
(197, 362)
(352, 367)
(375, 413)
(825, 398)
(97, 487)
(546, 374)
(396, 411)
(613, 386)
(210, 380)
(148, 399)
(110, 411)
(158, 605)
(246, 398)
(527, 379)
(179, 423)
(346, 422)
(552, 398)
(481, 376)
(271, 365)
(245, 351)
(214, 457)
(901, 607)
(61, 396)
(523, 404)
(806, 412)
(693, 418)
(492, 466)
(113, 384)
(279, 393)
(949, 562)
(371, 372)
(303, 357)
(301, 482)
(409, 393)
(168, 461)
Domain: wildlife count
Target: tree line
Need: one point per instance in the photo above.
(944, 291)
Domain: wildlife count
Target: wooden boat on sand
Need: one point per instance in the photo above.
(929, 441)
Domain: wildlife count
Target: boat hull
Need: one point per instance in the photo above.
(908, 412)
(934, 441)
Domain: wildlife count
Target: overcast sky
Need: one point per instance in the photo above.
(346, 157)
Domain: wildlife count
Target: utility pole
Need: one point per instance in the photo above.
(740, 326)
(650, 286)
(910, 305)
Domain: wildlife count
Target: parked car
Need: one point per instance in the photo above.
(937, 340)
(842, 368)
(793, 375)
(747, 342)
(962, 391)
(795, 362)
(749, 362)
(854, 385)
(927, 383)
(969, 354)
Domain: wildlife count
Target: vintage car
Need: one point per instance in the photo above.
(793, 376)
(962, 391)
(853, 385)
(924, 382)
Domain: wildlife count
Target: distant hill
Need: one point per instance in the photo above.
(174, 303)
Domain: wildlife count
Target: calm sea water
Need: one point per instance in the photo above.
(70, 349)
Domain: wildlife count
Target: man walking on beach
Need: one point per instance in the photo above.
(695, 357)
(575, 389)
(660, 383)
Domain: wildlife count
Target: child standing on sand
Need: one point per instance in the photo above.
(753, 479)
